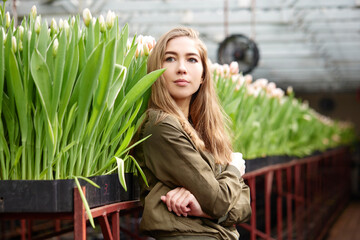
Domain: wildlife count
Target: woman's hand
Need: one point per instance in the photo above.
(182, 202)
(238, 162)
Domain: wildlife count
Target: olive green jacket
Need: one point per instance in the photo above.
(170, 159)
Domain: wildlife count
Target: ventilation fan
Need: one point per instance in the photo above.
(241, 49)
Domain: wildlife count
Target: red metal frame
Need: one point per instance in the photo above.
(79, 217)
(311, 190)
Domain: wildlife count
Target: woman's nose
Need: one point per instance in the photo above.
(182, 68)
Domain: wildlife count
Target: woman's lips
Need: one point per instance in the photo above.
(181, 82)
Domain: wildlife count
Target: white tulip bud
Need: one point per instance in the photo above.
(87, 17)
(53, 26)
(7, 19)
(73, 20)
(128, 44)
(38, 24)
(4, 35)
(21, 32)
(55, 47)
(139, 50)
(61, 24)
(110, 19)
(66, 27)
(20, 46)
(146, 49)
(139, 39)
(29, 35)
(13, 44)
(102, 24)
(289, 91)
(33, 11)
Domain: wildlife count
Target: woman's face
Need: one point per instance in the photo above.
(184, 69)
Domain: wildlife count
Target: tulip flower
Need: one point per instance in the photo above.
(93, 21)
(4, 35)
(61, 24)
(7, 20)
(146, 50)
(87, 17)
(20, 46)
(139, 50)
(248, 78)
(110, 19)
(72, 21)
(13, 44)
(33, 12)
(53, 26)
(226, 70)
(102, 24)
(289, 91)
(261, 83)
(55, 47)
(38, 24)
(21, 32)
(128, 44)
(66, 27)
(234, 68)
(270, 87)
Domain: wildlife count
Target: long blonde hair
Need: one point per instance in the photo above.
(209, 131)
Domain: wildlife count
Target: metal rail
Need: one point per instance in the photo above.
(301, 198)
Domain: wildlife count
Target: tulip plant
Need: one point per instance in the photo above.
(65, 89)
(265, 121)
(71, 96)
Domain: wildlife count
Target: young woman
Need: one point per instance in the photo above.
(195, 187)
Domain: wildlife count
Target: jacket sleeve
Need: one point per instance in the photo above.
(173, 159)
(241, 212)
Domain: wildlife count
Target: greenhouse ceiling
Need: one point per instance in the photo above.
(310, 45)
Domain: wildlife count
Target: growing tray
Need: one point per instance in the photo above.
(54, 196)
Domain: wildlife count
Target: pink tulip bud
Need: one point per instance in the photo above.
(261, 83)
(139, 50)
(248, 78)
(270, 87)
(234, 68)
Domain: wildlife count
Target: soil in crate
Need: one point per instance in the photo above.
(257, 163)
(48, 196)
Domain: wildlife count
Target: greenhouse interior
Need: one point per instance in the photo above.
(74, 91)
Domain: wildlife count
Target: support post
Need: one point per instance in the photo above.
(79, 216)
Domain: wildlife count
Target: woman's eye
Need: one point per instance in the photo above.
(169, 59)
(193, 60)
